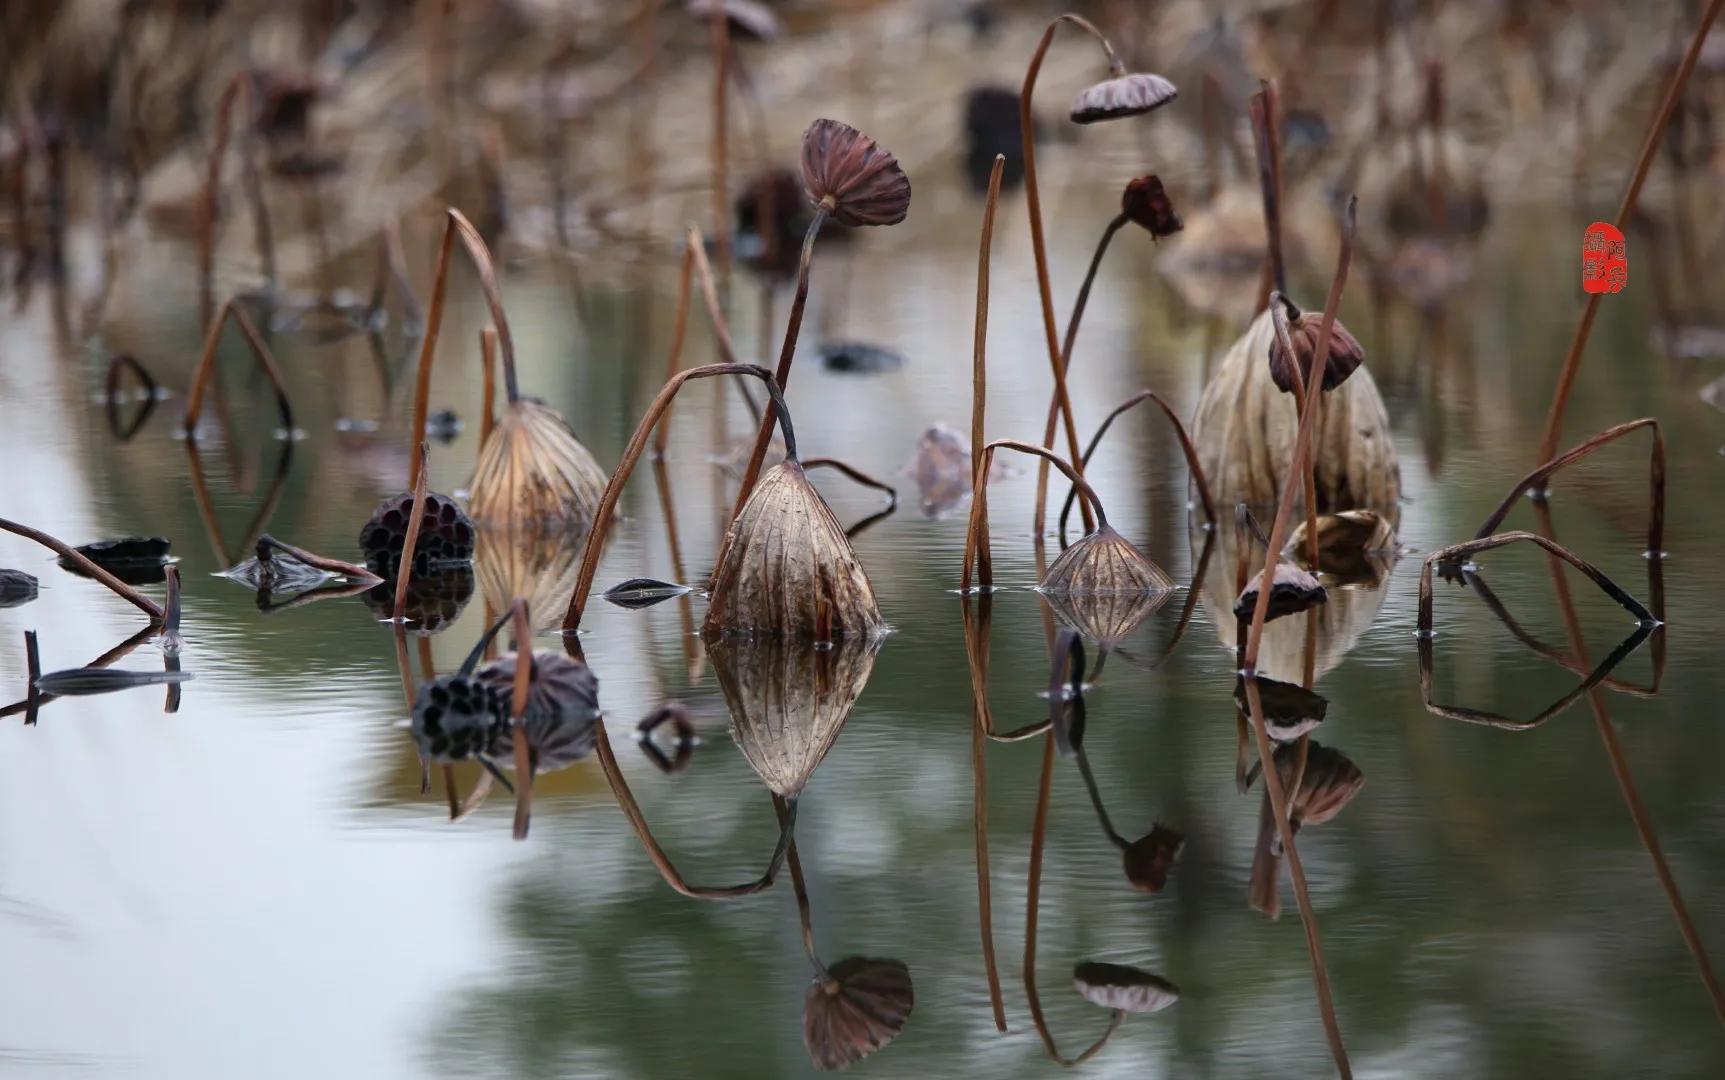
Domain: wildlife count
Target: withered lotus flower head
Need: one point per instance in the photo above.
(434, 600)
(445, 535)
(1148, 859)
(533, 474)
(562, 708)
(1290, 710)
(748, 20)
(789, 699)
(1146, 204)
(788, 570)
(1345, 352)
(1123, 989)
(855, 176)
(1104, 562)
(1292, 590)
(1122, 96)
(858, 1007)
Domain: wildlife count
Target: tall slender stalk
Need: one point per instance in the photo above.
(1649, 147)
(410, 542)
(721, 34)
(979, 383)
(976, 535)
(1033, 203)
(1308, 475)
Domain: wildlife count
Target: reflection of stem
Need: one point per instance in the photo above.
(207, 367)
(1496, 607)
(685, 605)
(117, 652)
(979, 796)
(976, 537)
(1614, 750)
(801, 889)
(33, 671)
(410, 543)
(525, 758)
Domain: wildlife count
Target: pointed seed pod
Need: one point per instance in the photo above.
(533, 473)
(1104, 562)
(1145, 202)
(857, 1008)
(856, 175)
(1123, 96)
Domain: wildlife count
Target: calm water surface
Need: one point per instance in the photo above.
(255, 886)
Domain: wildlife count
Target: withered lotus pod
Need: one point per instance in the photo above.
(748, 20)
(789, 699)
(562, 708)
(135, 560)
(1123, 989)
(459, 717)
(1104, 562)
(1108, 617)
(1122, 96)
(1292, 590)
(1345, 352)
(859, 181)
(1290, 710)
(16, 587)
(1146, 203)
(435, 600)
(445, 535)
(533, 474)
(1148, 859)
(788, 569)
(856, 1008)
(1330, 783)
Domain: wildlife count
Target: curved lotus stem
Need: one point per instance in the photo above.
(121, 363)
(1454, 554)
(207, 509)
(410, 543)
(632, 453)
(1649, 146)
(1497, 720)
(488, 377)
(125, 592)
(1267, 142)
(1119, 221)
(1033, 202)
(1186, 447)
(976, 538)
(805, 919)
(662, 862)
(1279, 305)
(979, 386)
(855, 474)
(456, 224)
(1540, 477)
(207, 367)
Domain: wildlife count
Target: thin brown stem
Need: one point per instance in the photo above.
(1649, 148)
(976, 536)
(488, 377)
(679, 329)
(410, 543)
(1186, 447)
(853, 473)
(979, 411)
(632, 453)
(32, 672)
(524, 755)
(805, 916)
(1308, 476)
(1456, 554)
(721, 35)
(1538, 479)
(1119, 221)
(207, 367)
(1267, 144)
(124, 591)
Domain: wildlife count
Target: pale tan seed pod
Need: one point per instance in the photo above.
(857, 1007)
(788, 570)
(533, 474)
(1122, 96)
(1245, 427)
(1104, 562)
(789, 700)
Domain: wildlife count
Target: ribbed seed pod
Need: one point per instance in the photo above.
(859, 176)
(1104, 562)
(533, 473)
(562, 708)
(789, 699)
(857, 1008)
(1122, 96)
(1125, 989)
(788, 570)
(1107, 617)
(445, 535)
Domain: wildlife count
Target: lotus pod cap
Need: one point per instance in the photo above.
(1346, 353)
(1104, 562)
(1116, 986)
(445, 535)
(1122, 96)
(859, 1007)
(1145, 202)
(861, 179)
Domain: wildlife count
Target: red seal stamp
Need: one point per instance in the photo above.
(1604, 260)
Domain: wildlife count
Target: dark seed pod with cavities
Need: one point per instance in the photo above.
(1122, 96)
(857, 177)
(435, 600)
(459, 717)
(446, 535)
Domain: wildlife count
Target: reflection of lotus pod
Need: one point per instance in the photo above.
(1346, 354)
(434, 600)
(788, 570)
(1244, 431)
(859, 1007)
(788, 701)
(1292, 590)
(533, 566)
(1104, 562)
(1354, 546)
(16, 587)
(862, 179)
(1116, 986)
(445, 534)
(1107, 617)
(942, 469)
(562, 708)
(533, 473)
(1125, 95)
(1148, 859)
(459, 718)
(135, 560)
(1290, 710)
(1330, 782)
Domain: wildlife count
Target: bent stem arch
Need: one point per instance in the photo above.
(207, 367)
(1186, 447)
(976, 543)
(1488, 718)
(1538, 479)
(632, 454)
(1033, 204)
(1456, 553)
